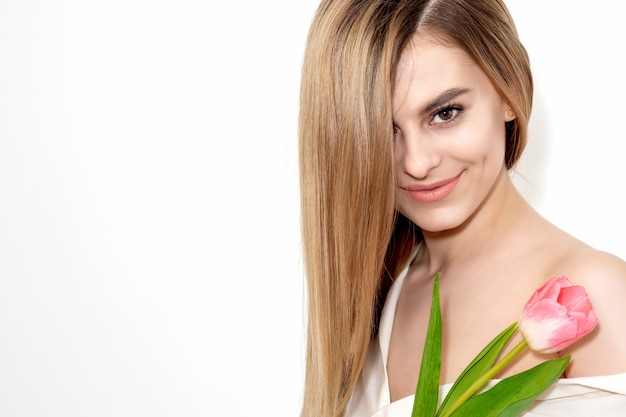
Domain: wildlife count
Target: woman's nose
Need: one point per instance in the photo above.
(419, 154)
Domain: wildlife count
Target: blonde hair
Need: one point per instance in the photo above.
(353, 239)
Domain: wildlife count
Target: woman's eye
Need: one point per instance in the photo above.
(446, 115)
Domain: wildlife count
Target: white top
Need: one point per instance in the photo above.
(598, 396)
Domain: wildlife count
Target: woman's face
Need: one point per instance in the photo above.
(449, 135)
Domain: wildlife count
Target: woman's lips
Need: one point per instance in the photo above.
(430, 193)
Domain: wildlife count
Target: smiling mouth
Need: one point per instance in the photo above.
(430, 193)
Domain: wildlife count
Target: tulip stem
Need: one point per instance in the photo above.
(480, 382)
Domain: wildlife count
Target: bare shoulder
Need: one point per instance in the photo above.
(603, 276)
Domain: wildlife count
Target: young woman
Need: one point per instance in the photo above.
(412, 114)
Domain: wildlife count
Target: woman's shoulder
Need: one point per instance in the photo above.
(603, 275)
(584, 265)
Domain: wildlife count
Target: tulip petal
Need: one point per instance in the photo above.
(550, 290)
(574, 298)
(544, 309)
(581, 305)
(549, 335)
(589, 325)
(581, 318)
(565, 336)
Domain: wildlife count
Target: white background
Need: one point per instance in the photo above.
(149, 228)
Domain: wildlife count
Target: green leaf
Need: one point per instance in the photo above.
(478, 367)
(427, 390)
(511, 396)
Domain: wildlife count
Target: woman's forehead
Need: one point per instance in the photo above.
(428, 67)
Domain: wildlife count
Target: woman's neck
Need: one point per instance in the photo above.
(498, 218)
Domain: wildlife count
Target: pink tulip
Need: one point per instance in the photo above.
(558, 314)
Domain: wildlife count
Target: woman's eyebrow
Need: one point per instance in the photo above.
(443, 99)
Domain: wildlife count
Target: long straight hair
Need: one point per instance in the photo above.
(353, 238)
